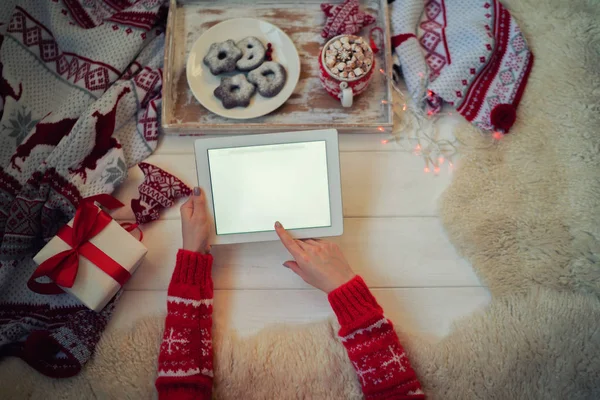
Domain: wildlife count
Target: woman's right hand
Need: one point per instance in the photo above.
(318, 262)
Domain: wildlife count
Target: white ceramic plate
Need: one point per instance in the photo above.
(203, 83)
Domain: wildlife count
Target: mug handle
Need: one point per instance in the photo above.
(346, 95)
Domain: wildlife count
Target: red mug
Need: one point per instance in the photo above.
(345, 88)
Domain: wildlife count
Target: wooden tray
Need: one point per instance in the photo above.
(309, 107)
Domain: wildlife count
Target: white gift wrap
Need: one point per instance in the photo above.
(92, 286)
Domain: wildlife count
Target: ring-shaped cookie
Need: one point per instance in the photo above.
(269, 78)
(253, 53)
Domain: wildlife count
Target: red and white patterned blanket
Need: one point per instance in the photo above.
(470, 54)
(80, 87)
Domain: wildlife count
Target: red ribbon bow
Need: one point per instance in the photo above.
(62, 267)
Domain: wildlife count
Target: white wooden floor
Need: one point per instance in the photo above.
(393, 238)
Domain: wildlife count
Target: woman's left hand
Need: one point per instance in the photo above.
(195, 224)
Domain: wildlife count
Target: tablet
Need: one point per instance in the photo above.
(251, 181)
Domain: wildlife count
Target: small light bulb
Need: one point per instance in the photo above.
(498, 135)
(385, 141)
(426, 169)
(381, 129)
(441, 160)
(418, 147)
(404, 107)
(382, 71)
(436, 170)
(384, 101)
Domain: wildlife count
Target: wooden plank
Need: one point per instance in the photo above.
(425, 310)
(373, 184)
(350, 142)
(387, 252)
(383, 184)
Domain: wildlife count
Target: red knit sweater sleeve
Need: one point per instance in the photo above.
(372, 344)
(185, 362)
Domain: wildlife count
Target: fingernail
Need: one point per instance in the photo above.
(278, 224)
(196, 191)
(285, 265)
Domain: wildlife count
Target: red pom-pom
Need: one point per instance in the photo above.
(503, 117)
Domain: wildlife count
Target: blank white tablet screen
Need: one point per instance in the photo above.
(255, 186)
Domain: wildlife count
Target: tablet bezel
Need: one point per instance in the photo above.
(330, 136)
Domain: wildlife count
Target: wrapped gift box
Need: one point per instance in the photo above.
(93, 286)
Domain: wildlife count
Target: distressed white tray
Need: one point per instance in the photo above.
(309, 107)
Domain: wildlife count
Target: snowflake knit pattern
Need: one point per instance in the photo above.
(185, 362)
(158, 190)
(80, 87)
(379, 360)
(468, 53)
(185, 366)
(345, 18)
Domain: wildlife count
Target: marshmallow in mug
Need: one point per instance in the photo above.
(349, 57)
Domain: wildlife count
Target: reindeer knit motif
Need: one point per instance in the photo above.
(80, 90)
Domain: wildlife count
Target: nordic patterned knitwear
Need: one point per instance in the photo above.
(469, 53)
(80, 90)
(185, 362)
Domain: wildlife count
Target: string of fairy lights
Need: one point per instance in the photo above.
(417, 131)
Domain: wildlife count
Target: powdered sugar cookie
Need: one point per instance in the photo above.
(253, 53)
(235, 91)
(221, 57)
(269, 78)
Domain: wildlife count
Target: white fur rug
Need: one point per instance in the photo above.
(526, 213)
